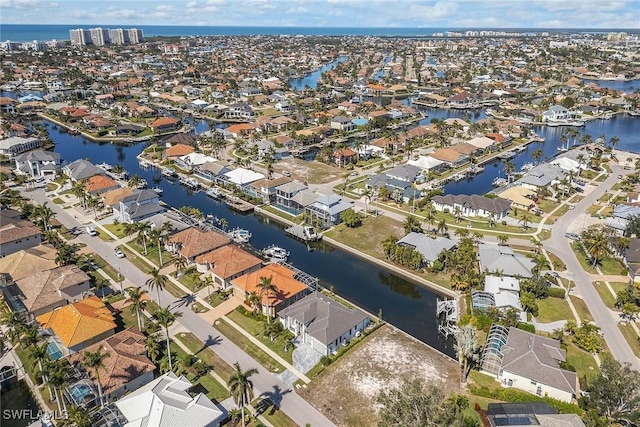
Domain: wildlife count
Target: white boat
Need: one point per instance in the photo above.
(105, 166)
(310, 232)
(240, 235)
(521, 148)
(276, 253)
(190, 183)
(215, 192)
(499, 182)
(527, 166)
(141, 184)
(170, 173)
(158, 190)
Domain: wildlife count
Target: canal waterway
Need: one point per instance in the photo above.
(312, 78)
(624, 85)
(19, 408)
(404, 304)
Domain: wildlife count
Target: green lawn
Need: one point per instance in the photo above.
(152, 253)
(583, 362)
(212, 388)
(606, 196)
(608, 265)
(608, 299)
(281, 214)
(630, 336)
(217, 298)
(107, 268)
(484, 380)
(58, 201)
(189, 280)
(117, 229)
(205, 354)
(272, 414)
(247, 346)
(553, 309)
(581, 308)
(198, 308)
(32, 372)
(557, 262)
(256, 328)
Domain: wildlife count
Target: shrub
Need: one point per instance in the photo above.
(325, 360)
(556, 293)
(526, 327)
(242, 310)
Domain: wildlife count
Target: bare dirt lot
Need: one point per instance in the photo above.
(346, 391)
(314, 172)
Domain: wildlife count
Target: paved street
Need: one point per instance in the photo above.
(265, 382)
(560, 245)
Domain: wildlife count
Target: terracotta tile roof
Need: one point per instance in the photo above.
(164, 121)
(179, 150)
(126, 362)
(280, 275)
(113, 197)
(79, 322)
(195, 241)
(228, 261)
(99, 182)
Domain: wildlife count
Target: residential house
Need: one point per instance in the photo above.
(323, 323)
(290, 289)
(38, 163)
(16, 233)
(127, 368)
(193, 241)
(429, 247)
(429, 163)
(166, 401)
(286, 197)
(192, 160)
(80, 324)
(502, 292)
(407, 172)
(450, 157)
(164, 124)
(227, 263)
(342, 123)
(112, 198)
(176, 151)
(462, 100)
(541, 176)
(556, 113)
(239, 110)
(266, 188)
(171, 218)
(529, 413)
(139, 205)
(519, 196)
(529, 362)
(25, 262)
(242, 176)
(284, 106)
(81, 169)
(210, 171)
(99, 184)
(398, 189)
(344, 156)
(473, 205)
(15, 145)
(326, 210)
(494, 258)
(484, 144)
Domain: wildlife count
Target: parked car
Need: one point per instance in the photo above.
(579, 189)
(119, 253)
(91, 231)
(286, 173)
(572, 236)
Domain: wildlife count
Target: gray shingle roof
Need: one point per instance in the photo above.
(428, 246)
(503, 258)
(494, 205)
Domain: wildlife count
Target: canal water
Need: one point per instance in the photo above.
(312, 78)
(18, 408)
(624, 85)
(404, 304)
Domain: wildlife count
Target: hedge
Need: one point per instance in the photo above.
(513, 395)
(556, 293)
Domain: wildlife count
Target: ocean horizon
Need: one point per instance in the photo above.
(30, 32)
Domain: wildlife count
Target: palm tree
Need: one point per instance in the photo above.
(502, 239)
(128, 228)
(166, 318)
(40, 355)
(45, 214)
(15, 322)
(95, 361)
(442, 227)
(180, 264)
(138, 304)
(157, 281)
(536, 156)
(525, 221)
(467, 347)
(76, 417)
(79, 191)
(597, 246)
(254, 301)
(265, 287)
(509, 168)
(241, 387)
(429, 214)
(56, 373)
(159, 235)
(153, 348)
(143, 229)
(272, 330)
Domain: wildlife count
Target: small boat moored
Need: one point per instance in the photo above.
(157, 190)
(276, 253)
(240, 235)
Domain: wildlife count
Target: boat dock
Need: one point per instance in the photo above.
(306, 233)
(239, 205)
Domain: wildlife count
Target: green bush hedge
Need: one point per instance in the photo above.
(556, 293)
(513, 395)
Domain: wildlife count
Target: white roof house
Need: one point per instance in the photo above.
(482, 142)
(426, 162)
(197, 159)
(568, 164)
(166, 402)
(243, 176)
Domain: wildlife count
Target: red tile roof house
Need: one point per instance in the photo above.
(344, 156)
(227, 263)
(193, 241)
(99, 184)
(164, 124)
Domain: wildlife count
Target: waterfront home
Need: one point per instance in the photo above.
(227, 263)
(7, 105)
(541, 176)
(407, 172)
(473, 205)
(484, 144)
(429, 163)
(80, 324)
(500, 292)
(112, 198)
(209, 171)
(166, 401)
(529, 362)
(450, 157)
(266, 188)
(172, 219)
(137, 206)
(178, 150)
(164, 124)
(25, 262)
(632, 259)
(99, 184)
(193, 241)
(192, 160)
(16, 233)
(462, 100)
(344, 156)
(38, 163)
(126, 369)
(397, 188)
(469, 150)
(557, 113)
(326, 210)
(242, 176)
(287, 197)
(15, 145)
(503, 259)
(429, 247)
(290, 289)
(323, 323)
(342, 123)
(81, 169)
(519, 196)
(239, 110)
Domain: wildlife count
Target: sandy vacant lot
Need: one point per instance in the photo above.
(346, 391)
(315, 172)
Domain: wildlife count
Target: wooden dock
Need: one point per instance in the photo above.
(239, 204)
(301, 233)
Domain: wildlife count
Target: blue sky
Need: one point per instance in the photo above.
(330, 13)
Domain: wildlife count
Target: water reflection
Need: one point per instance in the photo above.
(401, 287)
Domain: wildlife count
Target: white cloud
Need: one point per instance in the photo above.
(121, 14)
(164, 8)
(297, 10)
(23, 4)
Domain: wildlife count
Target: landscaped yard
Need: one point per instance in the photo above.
(272, 413)
(581, 308)
(198, 348)
(217, 298)
(630, 336)
(58, 201)
(368, 236)
(212, 388)
(583, 362)
(256, 328)
(607, 298)
(557, 262)
(608, 265)
(117, 229)
(247, 346)
(553, 309)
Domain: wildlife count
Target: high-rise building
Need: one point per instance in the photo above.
(135, 35)
(80, 37)
(103, 36)
(99, 36)
(118, 36)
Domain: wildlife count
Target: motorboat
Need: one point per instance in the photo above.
(240, 235)
(527, 166)
(105, 166)
(190, 183)
(157, 190)
(276, 253)
(215, 193)
(169, 173)
(499, 182)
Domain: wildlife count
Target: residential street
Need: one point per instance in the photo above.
(560, 245)
(264, 382)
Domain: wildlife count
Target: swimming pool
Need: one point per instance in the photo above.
(79, 391)
(54, 351)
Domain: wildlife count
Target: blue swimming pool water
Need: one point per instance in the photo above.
(54, 351)
(79, 391)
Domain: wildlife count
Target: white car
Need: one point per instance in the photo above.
(119, 253)
(286, 173)
(91, 231)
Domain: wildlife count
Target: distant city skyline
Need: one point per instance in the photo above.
(331, 13)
